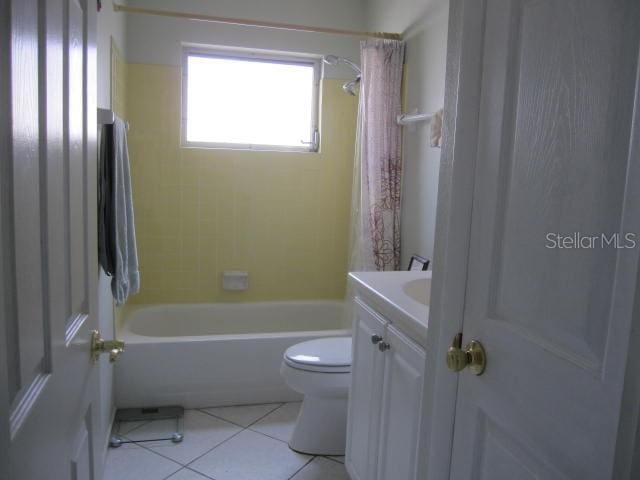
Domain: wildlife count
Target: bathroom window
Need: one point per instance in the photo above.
(248, 100)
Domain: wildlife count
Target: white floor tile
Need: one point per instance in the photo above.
(131, 462)
(322, 469)
(250, 456)
(243, 415)
(279, 423)
(202, 432)
(186, 474)
(337, 458)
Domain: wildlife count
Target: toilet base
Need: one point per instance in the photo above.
(321, 426)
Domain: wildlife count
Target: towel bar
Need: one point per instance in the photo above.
(107, 117)
(414, 117)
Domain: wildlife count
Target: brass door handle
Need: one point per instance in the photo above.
(473, 356)
(99, 345)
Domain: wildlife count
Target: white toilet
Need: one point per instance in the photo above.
(321, 370)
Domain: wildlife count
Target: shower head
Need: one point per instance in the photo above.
(330, 59)
(350, 87)
(335, 60)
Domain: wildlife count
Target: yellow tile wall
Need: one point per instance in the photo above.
(284, 217)
(118, 81)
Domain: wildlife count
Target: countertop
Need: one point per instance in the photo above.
(384, 292)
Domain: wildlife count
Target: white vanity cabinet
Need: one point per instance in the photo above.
(401, 407)
(385, 399)
(365, 395)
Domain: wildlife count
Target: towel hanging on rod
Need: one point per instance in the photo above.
(107, 117)
(413, 117)
(434, 119)
(117, 251)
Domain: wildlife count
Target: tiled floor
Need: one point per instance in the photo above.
(223, 443)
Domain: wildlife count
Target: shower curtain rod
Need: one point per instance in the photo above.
(252, 23)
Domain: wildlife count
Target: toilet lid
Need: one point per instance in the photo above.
(321, 355)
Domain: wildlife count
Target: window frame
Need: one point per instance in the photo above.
(261, 56)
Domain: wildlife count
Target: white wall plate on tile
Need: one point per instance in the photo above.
(235, 280)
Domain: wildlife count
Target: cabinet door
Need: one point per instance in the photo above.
(365, 394)
(401, 408)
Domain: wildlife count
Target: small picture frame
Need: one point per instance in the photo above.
(418, 264)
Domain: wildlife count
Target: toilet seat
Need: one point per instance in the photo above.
(324, 355)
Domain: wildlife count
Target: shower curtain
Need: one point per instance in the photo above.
(377, 181)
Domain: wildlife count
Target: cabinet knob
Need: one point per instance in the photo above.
(375, 339)
(383, 346)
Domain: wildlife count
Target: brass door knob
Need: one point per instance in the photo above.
(99, 345)
(473, 356)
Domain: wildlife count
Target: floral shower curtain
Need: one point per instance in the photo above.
(375, 236)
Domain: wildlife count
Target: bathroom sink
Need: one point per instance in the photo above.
(419, 290)
(404, 295)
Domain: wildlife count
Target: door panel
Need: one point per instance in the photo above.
(365, 394)
(82, 459)
(401, 408)
(556, 104)
(498, 454)
(559, 171)
(48, 240)
(26, 323)
(74, 123)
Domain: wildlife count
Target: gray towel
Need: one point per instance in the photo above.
(106, 224)
(126, 277)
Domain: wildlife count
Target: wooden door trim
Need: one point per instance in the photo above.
(453, 228)
(453, 224)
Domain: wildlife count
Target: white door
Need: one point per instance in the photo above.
(540, 144)
(367, 375)
(401, 406)
(48, 240)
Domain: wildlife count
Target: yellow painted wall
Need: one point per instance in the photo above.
(118, 81)
(284, 217)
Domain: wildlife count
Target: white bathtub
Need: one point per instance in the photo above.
(205, 355)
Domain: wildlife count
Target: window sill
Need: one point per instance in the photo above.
(247, 148)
